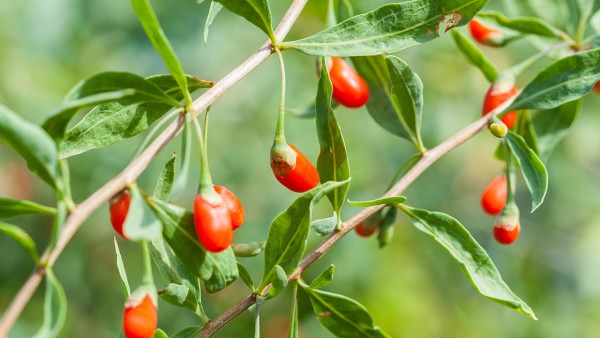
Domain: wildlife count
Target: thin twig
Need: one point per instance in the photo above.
(129, 175)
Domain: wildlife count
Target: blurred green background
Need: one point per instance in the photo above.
(412, 287)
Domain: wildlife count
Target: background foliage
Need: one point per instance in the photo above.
(412, 287)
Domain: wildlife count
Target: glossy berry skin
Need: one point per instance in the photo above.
(485, 35)
(506, 234)
(140, 321)
(119, 207)
(493, 198)
(213, 224)
(235, 207)
(364, 231)
(303, 177)
(349, 88)
(494, 97)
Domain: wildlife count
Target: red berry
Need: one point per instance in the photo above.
(506, 234)
(140, 320)
(303, 177)
(499, 92)
(213, 223)
(493, 198)
(486, 35)
(364, 231)
(235, 207)
(597, 87)
(119, 206)
(349, 88)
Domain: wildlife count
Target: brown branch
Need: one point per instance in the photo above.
(129, 175)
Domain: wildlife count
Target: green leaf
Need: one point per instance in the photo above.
(180, 295)
(217, 270)
(126, 88)
(389, 28)
(565, 80)
(164, 184)
(389, 80)
(332, 163)
(342, 316)
(255, 11)
(187, 332)
(160, 334)
(552, 126)
(248, 249)
(386, 231)
(31, 143)
(111, 122)
(10, 207)
(278, 283)
(471, 257)
(181, 181)
(393, 200)
(474, 55)
(22, 238)
(245, 276)
(141, 223)
(213, 11)
(325, 226)
(526, 25)
(121, 269)
(159, 40)
(288, 232)
(533, 169)
(55, 307)
(323, 279)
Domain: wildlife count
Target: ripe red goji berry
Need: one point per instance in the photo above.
(349, 88)
(493, 198)
(486, 35)
(370, 225)
(140, 318)
(119, 207)
(506, 233)
(235, 207)
(213, 223)
(597, 87)
(302, 177)
(501, 90)
(364, 231)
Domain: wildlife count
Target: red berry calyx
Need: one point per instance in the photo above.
(119, 207)
(303, 176)
(140, 317)
(283, 159)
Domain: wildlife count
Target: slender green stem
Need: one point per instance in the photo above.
(519, 68)
(147, 278)
(66, 182)
(510, 198)
(581, 25)
(257, 318)
(331, 18)
(157, 127)
(205, 134)
(294, 316)
(280, 131)
(200, 309)
(205, 179)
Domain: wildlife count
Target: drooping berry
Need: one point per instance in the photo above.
(364, 231)
(213, 223)
(500, 91)
(370, 225)
(506, 233)
(301, 177)
(119, 207)
(235, 207)
(597, 87)
(140, 318)
(349, 88)
(486, 35)
(493, 198)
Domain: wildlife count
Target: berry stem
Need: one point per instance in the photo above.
(147, 278)
(257, 318)
(280, 131)
(510, 198)
(206, 185)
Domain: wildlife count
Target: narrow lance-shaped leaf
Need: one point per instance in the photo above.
(474, 55)
(55, 307)
(288, 232)
(245, 276)
(213, 11)
(141, 223)
(278, 283)
(255, 11)
(526, 25)
(111, 122)
(124, 87)
(342, 316)
(533, 169)
(565, 80)
(389, 28)
(22, 238)
(392, 200)
(149, 21)
(31, 143)
(385, 104)
(324, 278)
(552, 126)
(10, 207)
(121, 269)
(164, 184)
(332, 163)
(471, 257)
